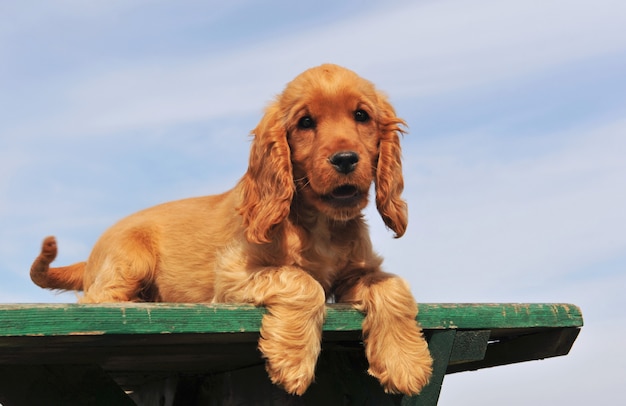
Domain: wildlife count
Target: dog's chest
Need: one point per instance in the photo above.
(321, 252)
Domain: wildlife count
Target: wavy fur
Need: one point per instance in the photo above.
(288, 236)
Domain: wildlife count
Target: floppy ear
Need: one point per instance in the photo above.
(389, 180)
(268, 185)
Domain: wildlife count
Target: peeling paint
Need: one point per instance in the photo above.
(86, 333)
(55, 320)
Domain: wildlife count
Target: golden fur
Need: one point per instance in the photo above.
(288, 236)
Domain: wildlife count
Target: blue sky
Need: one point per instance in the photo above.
(514, 162)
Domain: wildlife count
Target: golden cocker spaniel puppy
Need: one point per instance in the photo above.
(288, 236)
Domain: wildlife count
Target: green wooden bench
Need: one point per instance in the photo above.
(187, 354)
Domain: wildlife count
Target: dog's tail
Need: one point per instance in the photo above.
(64, 277)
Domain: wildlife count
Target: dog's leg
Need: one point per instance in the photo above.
(394, 344)
(292, 327)
(123, 271)
(113, 288)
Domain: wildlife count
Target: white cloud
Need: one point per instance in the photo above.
(417, 49)
(451, 45)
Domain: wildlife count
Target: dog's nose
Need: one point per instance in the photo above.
(344, 162)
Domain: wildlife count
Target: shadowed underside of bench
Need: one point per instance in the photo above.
(197, 354)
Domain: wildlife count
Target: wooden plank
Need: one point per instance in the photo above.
(127, 318)
(181, 348)
(526, 347)
(469, 346)
(160, 318)
(499, 315)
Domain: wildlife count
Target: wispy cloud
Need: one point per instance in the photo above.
(407, 47)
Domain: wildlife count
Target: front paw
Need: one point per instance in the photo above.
(400, 360)
(291, 368)
(291, 342)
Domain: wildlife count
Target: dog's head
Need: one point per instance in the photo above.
(324, 141)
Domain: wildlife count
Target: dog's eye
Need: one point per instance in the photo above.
(305, 123)
(361, 116)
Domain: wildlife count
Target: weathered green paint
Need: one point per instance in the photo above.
(499, 315)
(159, 318)
(152, 347)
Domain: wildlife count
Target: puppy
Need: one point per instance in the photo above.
(288, 236)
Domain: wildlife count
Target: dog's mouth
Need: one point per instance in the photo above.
(344, 195)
